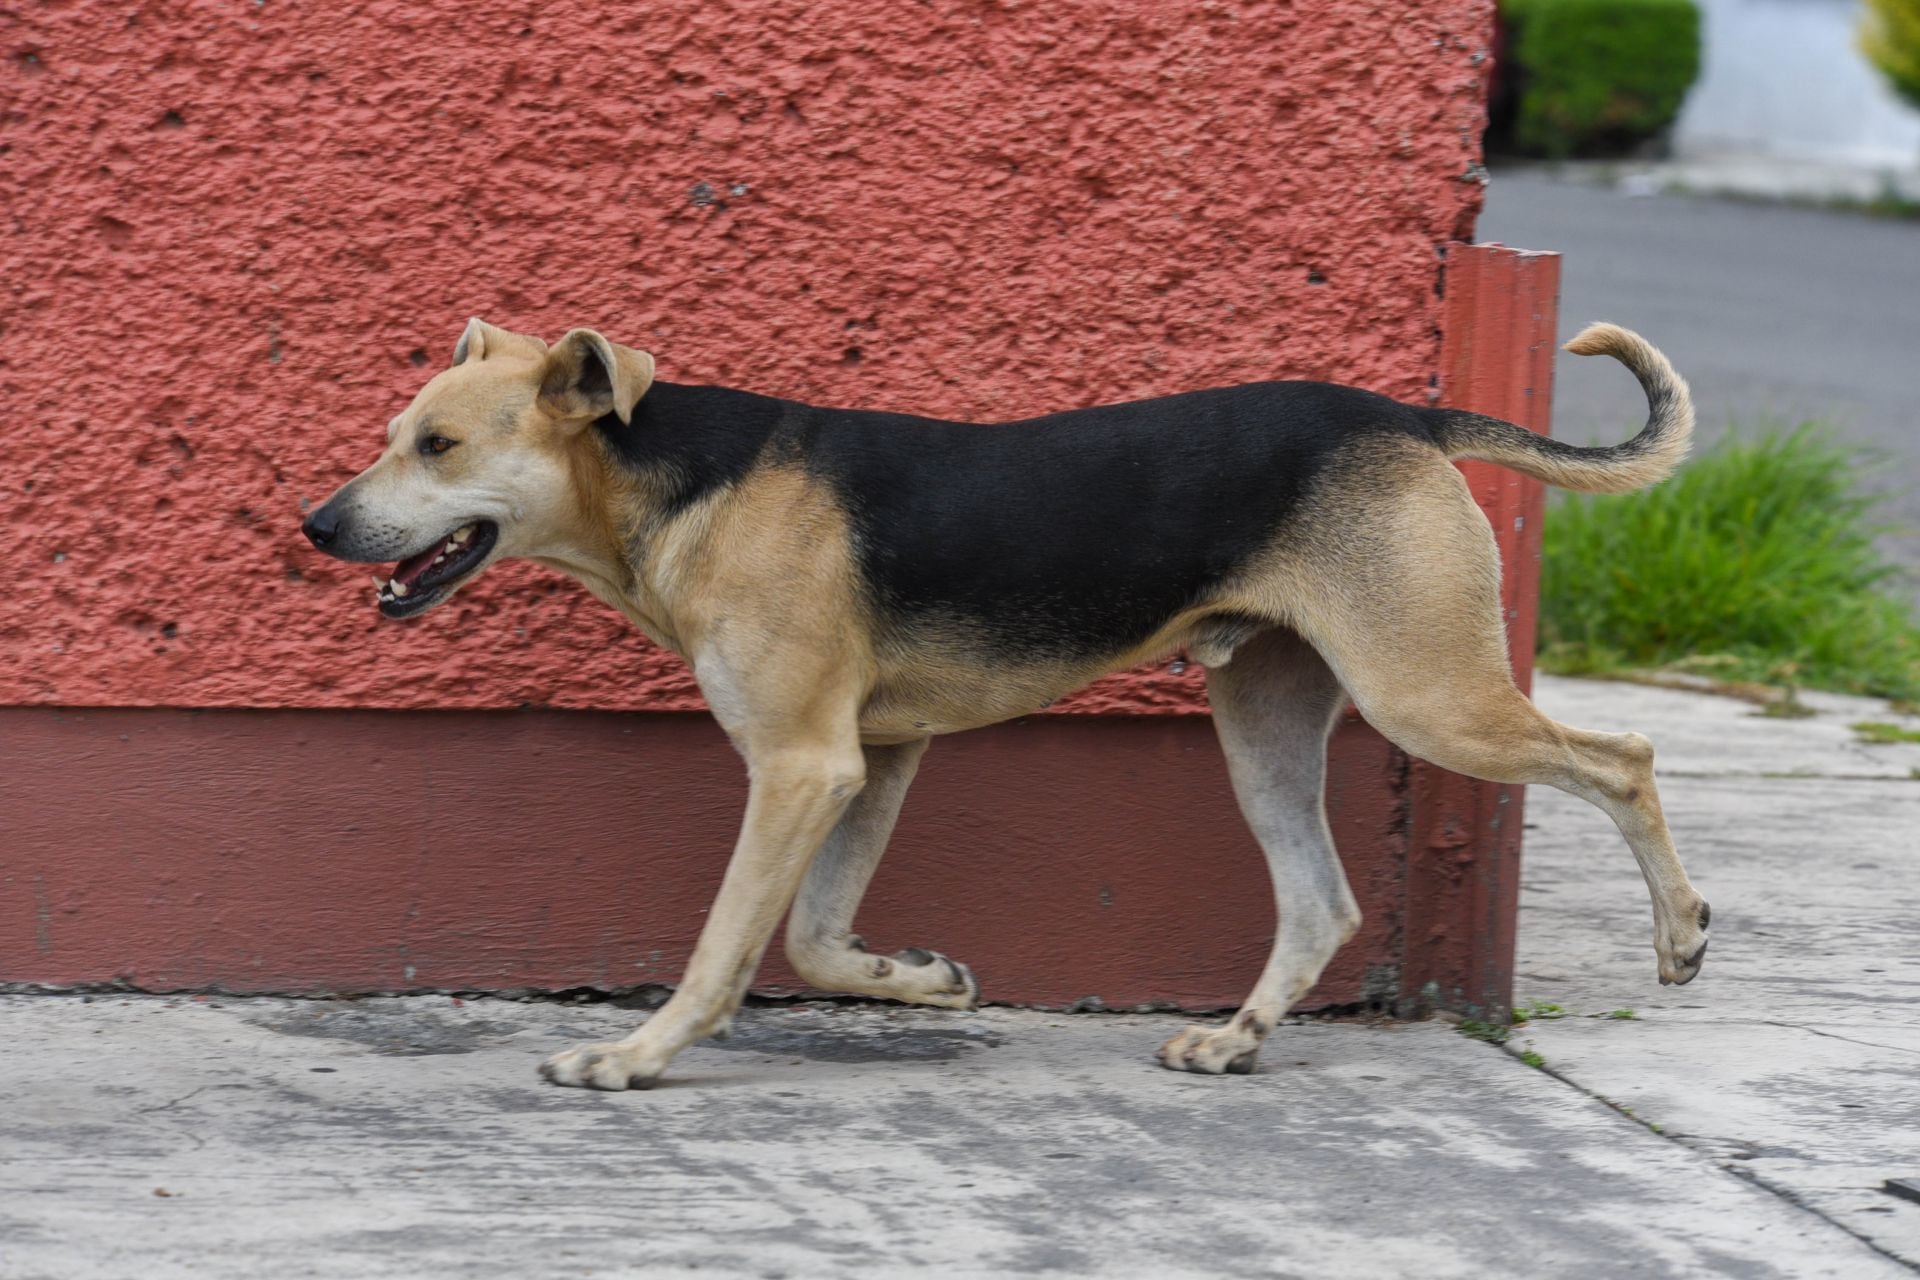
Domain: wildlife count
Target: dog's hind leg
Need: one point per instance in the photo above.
(1491, 731)
(821, 943)
(1403, 600)
(1274, 704)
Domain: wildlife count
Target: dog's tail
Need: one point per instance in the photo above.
(1646, 459)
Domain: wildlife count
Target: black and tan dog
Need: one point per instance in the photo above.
(846, 585)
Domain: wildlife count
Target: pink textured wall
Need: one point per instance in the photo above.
(241, 234)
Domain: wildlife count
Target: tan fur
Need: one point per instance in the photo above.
(1385, 589)
(1394, 585)
(1664, 443)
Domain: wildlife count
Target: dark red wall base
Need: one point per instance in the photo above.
(288, 851)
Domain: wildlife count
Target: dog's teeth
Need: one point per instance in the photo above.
(379, 583)
(461, 535)
(399, 587)
(442, 556)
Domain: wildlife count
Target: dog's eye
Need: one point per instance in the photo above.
(437, 444)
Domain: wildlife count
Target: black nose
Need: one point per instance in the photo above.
(322, 527)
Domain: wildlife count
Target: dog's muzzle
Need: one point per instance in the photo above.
(420, 580)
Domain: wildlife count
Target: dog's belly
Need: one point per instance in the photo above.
(948, 698)
(944, 690)
(899, 719)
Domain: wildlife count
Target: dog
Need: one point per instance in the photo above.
(846, 585)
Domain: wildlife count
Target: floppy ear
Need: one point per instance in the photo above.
(587, 377)
(480, 340)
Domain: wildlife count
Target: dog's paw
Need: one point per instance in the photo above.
(1684, 950)
(1228, 1050)
(915, 975)
(927, 977)
(600, 1066)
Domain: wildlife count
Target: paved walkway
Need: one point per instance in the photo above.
(162, 1137)
(1793, 1060)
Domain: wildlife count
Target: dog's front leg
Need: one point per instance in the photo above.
(798, 793)
(821, 943)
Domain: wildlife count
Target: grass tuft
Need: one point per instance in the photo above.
(1538, 1011)
(1474, 1029)
(1756, 559)
(1880, 734)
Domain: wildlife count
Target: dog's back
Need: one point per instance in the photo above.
(1067, 536)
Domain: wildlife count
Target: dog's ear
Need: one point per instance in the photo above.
(480, 340)
(587, 377)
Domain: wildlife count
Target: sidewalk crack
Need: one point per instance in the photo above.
(1732, 1168)
(1711, 775)
(185, 1097)
(1868, 1044)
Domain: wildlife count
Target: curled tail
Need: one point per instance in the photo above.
(1646, 459)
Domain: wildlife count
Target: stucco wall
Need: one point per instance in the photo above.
(241, 234)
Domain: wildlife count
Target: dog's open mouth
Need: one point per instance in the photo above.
(419, 582)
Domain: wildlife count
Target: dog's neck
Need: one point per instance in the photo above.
(599, 549)
(634, 481)
(588, 547)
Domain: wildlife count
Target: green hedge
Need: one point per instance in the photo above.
(1595, 77)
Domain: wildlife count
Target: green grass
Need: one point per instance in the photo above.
(1474, 1029)
(1755, 562)
(1888, 202)
(1533, 1060)
(1878, 733)
(1538, 1011)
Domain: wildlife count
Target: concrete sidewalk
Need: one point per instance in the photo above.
(1793, 1060)
(160, 1137)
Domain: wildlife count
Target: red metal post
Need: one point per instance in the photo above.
(1463, 857)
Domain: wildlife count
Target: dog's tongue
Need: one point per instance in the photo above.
(409, 571)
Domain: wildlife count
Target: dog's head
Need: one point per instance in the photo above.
(478, 467)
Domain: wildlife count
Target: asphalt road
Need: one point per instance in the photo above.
(1772, 313)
